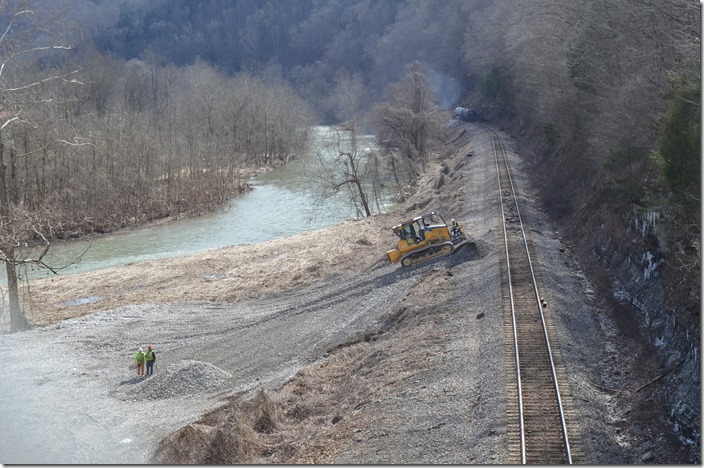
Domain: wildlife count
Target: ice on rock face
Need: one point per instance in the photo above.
(650, 267)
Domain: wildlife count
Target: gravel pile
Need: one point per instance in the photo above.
(182, 378)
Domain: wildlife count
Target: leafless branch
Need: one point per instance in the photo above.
(47, 79)
(12, 21)
(76, 142)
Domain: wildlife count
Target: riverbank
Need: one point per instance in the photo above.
(241, 251)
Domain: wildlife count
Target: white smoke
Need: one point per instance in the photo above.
(446, 88)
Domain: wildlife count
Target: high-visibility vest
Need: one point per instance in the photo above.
(150, 355)
(139, 357)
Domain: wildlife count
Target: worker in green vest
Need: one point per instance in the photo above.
(139, 359)
(150, 357)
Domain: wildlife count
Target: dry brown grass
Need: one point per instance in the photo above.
(223, 437)
(224, 275)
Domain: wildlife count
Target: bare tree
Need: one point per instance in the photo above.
(352, 169)
(350, 96)
(24, 34)
(410, 119)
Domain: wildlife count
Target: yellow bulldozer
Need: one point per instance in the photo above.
(425, 237)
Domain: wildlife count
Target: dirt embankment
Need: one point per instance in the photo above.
(396, 394)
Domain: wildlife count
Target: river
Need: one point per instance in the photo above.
(284, 201)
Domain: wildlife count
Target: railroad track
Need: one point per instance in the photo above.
(537, 425)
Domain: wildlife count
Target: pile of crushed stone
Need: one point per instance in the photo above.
(182, 378)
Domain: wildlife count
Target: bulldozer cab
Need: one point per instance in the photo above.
(415, 231)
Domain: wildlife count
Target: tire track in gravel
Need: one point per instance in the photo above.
(319, 297)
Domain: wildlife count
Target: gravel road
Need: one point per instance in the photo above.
(70, 395)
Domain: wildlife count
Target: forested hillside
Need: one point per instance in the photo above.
(339, 55)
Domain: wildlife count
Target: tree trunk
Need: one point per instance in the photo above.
(354, 176)
(17, 320)
(363, 196)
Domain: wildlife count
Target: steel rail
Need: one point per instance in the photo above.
(513, 309)
(522, 424)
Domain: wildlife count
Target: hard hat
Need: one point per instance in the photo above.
(140, 349)
(149, 347)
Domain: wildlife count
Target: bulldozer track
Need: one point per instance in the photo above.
(537, 429)
(430, 252)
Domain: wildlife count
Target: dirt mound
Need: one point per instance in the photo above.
(181, 378)
(236, 434)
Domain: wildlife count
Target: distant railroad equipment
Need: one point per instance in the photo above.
(425, 237)
(466, 114)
